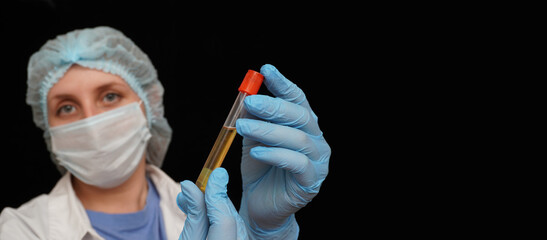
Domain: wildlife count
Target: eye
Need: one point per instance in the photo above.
(111, 97)
(66, 110)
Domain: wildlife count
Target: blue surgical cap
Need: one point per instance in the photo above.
(108, 50)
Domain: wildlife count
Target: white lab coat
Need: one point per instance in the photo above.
(61, 215)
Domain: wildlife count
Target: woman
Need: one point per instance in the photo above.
(97, 97)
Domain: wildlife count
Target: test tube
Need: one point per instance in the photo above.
(250, 85)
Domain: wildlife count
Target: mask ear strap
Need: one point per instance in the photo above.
(145, 114)
(139, 104)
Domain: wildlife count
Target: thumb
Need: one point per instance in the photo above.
(224, 220)
(191, 201)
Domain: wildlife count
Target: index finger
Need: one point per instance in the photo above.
(281, 87)
(282, 112)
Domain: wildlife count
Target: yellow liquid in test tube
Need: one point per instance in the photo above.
(216, 156)
(250, 85)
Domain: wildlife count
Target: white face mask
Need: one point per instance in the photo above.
(103, 150)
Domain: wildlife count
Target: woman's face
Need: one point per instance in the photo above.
(84, 92)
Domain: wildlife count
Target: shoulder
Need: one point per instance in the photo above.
(162, 181)
(168, 190)
(26, 222)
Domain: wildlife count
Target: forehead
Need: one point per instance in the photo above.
(78, 79)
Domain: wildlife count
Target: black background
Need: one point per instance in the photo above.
(201, 54)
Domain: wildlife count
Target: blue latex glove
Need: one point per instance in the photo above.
(285, 158)
(192, 202)
(213, 214)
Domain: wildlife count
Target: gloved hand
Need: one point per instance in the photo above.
(285, 158)
(212, 214)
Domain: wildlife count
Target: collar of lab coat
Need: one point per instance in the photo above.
(68, 219)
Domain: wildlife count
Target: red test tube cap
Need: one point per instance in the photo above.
(251, 83)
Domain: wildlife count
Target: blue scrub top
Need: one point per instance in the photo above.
(144, 224)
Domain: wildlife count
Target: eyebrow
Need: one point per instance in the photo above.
(100, 88)
(64, 96)
(110, 85)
